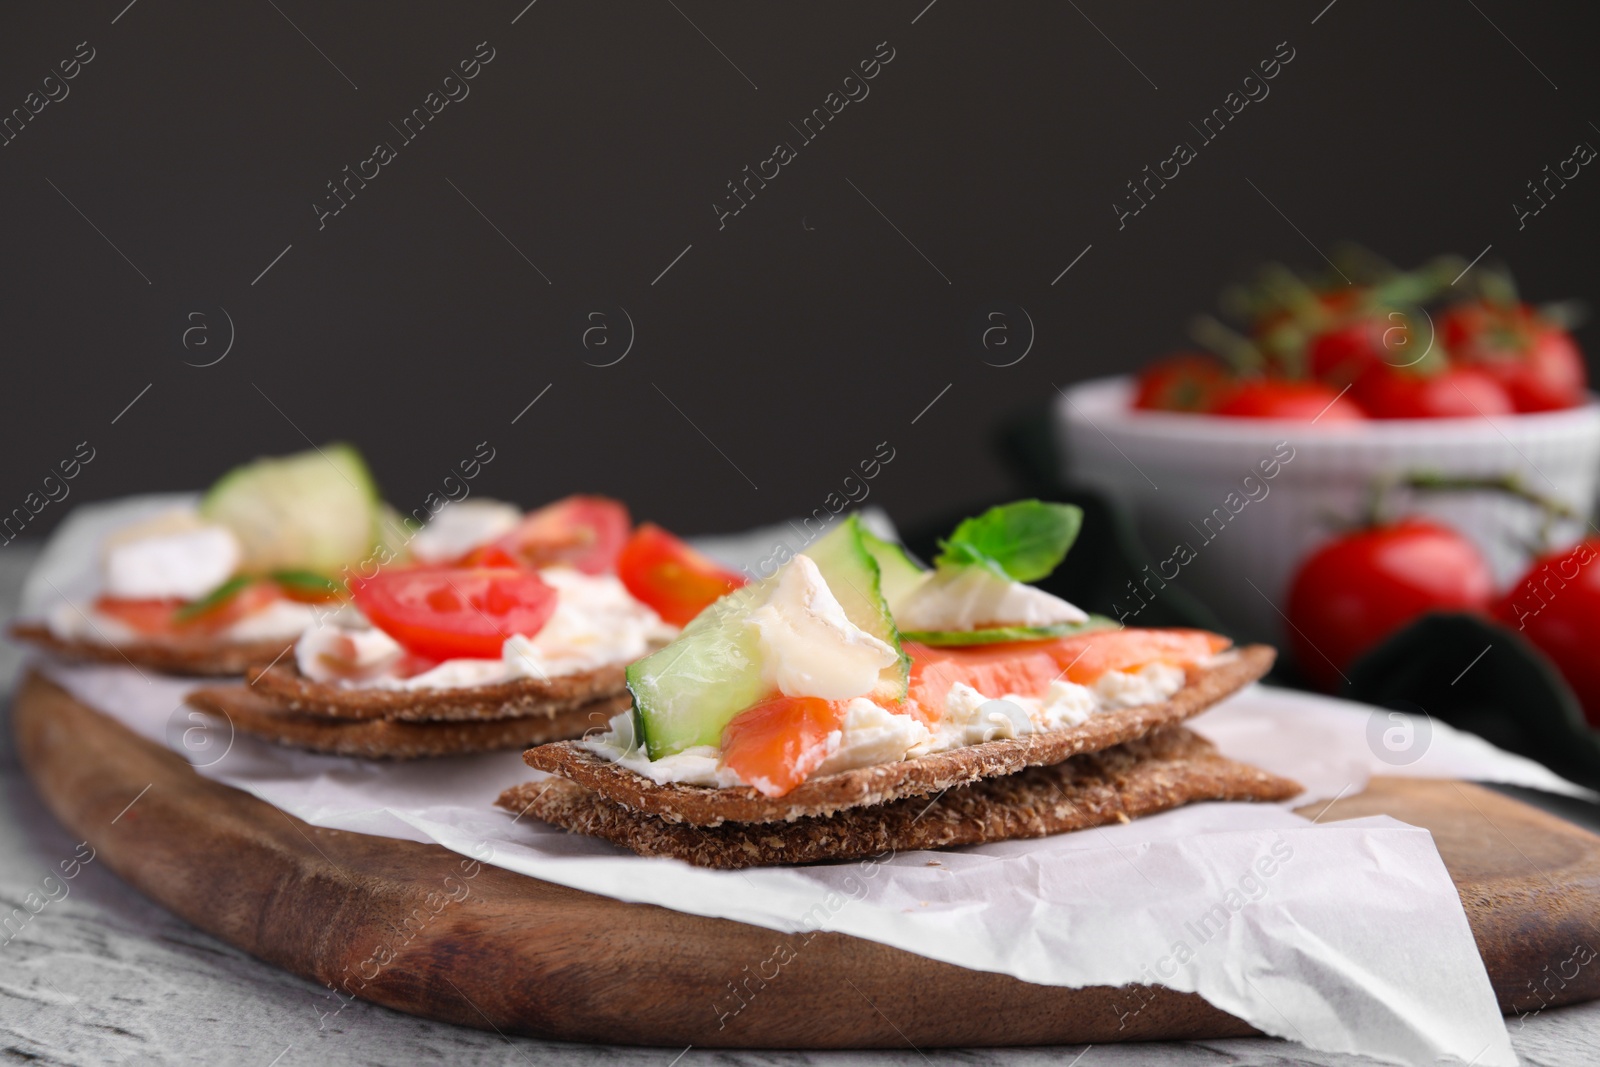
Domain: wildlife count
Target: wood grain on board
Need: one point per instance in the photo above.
(423, 930)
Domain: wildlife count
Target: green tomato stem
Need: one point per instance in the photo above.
(1380, 497)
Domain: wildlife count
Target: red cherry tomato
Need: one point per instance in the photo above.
(1557, 606)
(1281, 398)
(1188, 381)
(1552, 375)
(1283, 331)
(671, 577)
(585, 532)
(1359, 588)
(1386, 392)
(1539, 363)
(1346, 353)
(444, 613)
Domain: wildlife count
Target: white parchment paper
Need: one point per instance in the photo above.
(1344, 936)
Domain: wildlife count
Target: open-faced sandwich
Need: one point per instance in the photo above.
(857, 702)
(228, 584)
(504, 630)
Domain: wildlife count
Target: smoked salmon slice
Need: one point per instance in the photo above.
(1027, 668)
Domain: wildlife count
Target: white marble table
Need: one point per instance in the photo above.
(104, 976)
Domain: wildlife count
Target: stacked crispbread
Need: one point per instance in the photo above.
(1116, 766)
(194, 655)
(280, 704)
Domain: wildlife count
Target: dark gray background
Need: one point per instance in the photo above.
(794, 340)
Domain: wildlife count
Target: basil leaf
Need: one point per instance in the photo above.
(212, 600)
(302, 581)
(1023, 541)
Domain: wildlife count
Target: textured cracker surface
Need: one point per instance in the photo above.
(259, 716)
(824, 795)
(293, 691)
(197, 656)
(1170, 767)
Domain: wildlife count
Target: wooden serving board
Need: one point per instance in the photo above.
(379, 919)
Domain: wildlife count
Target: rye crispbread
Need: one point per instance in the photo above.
(259, 715)
(197, 655)
(884, 782)
(1169, 767)
(292, 691)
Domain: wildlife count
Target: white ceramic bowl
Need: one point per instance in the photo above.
(1176, 471)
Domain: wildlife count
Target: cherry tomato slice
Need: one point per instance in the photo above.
(671, 577)
(444, 613)
(584, 532)
(777, 743)
(491, 555)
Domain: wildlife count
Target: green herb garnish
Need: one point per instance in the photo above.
(212, 600)
(308, 582)
(1022, 541)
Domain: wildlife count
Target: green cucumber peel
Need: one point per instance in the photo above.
(849, 565)
(898, 573)
(686, 693)
(1023, 541)
(313, 510)
(1006, 634)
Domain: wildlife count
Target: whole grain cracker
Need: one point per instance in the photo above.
(519, 698)
(1169, 767)
(884, 782)
(258, 715)
(196, 655)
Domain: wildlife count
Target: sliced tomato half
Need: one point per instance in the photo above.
(674, 579)
(490, 555)
(776, 744)
(583, 532)
(444, 613)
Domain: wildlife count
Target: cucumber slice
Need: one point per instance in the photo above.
(684, 694)
(898, 573)
(852, 572)
(1000, 634)
(390, 535)
(314, 510)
